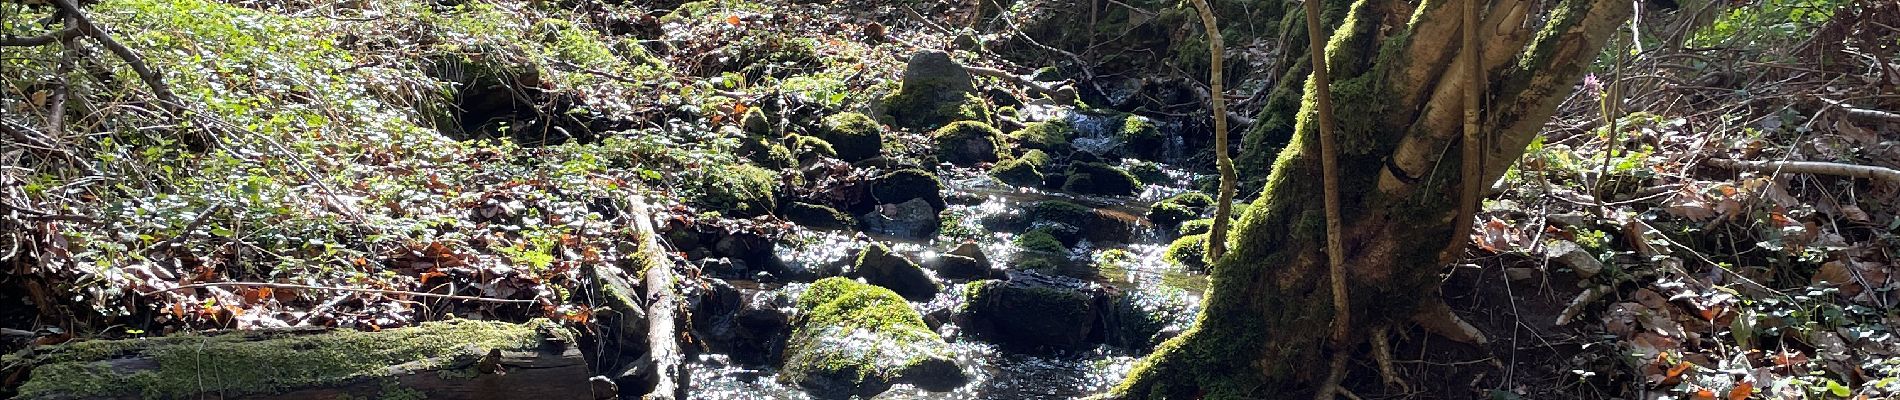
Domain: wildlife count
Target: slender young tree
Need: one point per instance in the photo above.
(1400, 89)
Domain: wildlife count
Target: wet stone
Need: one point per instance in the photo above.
(877, 265)
(913, 219)
(1032, 311)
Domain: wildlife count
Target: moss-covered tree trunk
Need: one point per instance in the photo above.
(1264, 326)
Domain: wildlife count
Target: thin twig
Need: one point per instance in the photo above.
(40, 40)
(346, 289)
(1223, 209)
(1811, 167)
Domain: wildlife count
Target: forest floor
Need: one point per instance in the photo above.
(1729, 232)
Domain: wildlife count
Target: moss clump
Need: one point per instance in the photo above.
(817, 216)
(935, 91)
(1149, 173)
(1141, 137)
(1058, 211)
(1038, 158)
(1045, 135)
(756, 124)
(968, 142)
(854, 136)
(1017, 172)
(902, 185)
(266, 363)
(1181, 207)
(1100, 179)
(854, 338)
(808, 148)
(1195, 227)
(739, 190)
(1188, 252)
(1041, 241)
(766, 152)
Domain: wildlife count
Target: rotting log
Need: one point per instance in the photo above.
(637, 305)
(459, 359)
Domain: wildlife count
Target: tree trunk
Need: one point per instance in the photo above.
(1264, 324)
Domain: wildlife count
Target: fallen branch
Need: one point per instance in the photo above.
(152, 79)
(41, 40)
(1811, 167)
(345, 289)
(1864, 114)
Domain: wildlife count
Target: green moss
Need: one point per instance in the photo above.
(1140, 136)
(923, 109)
(807, 147)
(1149, 173)
(1059, 211)
(1037, 158)
(755, 123)
(247, 364)
(1045, 135)
(1188, 252)
(1039, 240)
(1017, 172)
(766, 152)
(1168, 214)
(1195, 227)
(855, 136)
(968, 142)
(902, 185)
(861, 334)
(1100, 179)
(817, 216)
(739, 190)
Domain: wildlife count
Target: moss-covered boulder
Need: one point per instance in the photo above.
(1052, 135)
(851, 338)
(905, 184)
(1195, 227)
(877, 265)
(738, 190)
(1188, 252)
(1141, 138)
(1017, 172)
(966, 261)
(766, 152)
(1040, 240)
(1178, 208)
(1071, 223)
(1149, 173)
(1039, 250)
(259, 363)
(1031, 311)
(1100, 179)
(935, 91)
(854, 136)
(817, 216)
(756, 123)
(968, 143)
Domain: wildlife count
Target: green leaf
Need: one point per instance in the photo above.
(1837, 389)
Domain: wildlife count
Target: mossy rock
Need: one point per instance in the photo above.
(855, 136)
(1053, 135)
(1038, 158)
(739, 190)
(807, 148)
(1017, 172)
(263, 363)
(968, 142)
(817, 216)
(1188, 252)
(766, 152)
(852, 338)
(756, 123)
(905, 184)
(1181, 207)
(1195, 227)
(877, 265)
(1149, 173)
(1100, 179)
(1141, 138)
(1031, 311)
(935, 91)
(1042, 241)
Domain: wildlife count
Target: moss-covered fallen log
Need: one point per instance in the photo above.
(438, 360)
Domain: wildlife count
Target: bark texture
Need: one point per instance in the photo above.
(1398, 88)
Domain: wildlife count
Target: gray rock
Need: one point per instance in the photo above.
(877, 265)
(913, 219)
(1569, 254)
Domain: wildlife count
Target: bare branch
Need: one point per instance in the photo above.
(345, 289)
(1811, 167)
(40, 40)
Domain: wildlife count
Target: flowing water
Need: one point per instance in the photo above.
(978, 202)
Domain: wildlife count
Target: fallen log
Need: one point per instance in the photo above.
(460, 359)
